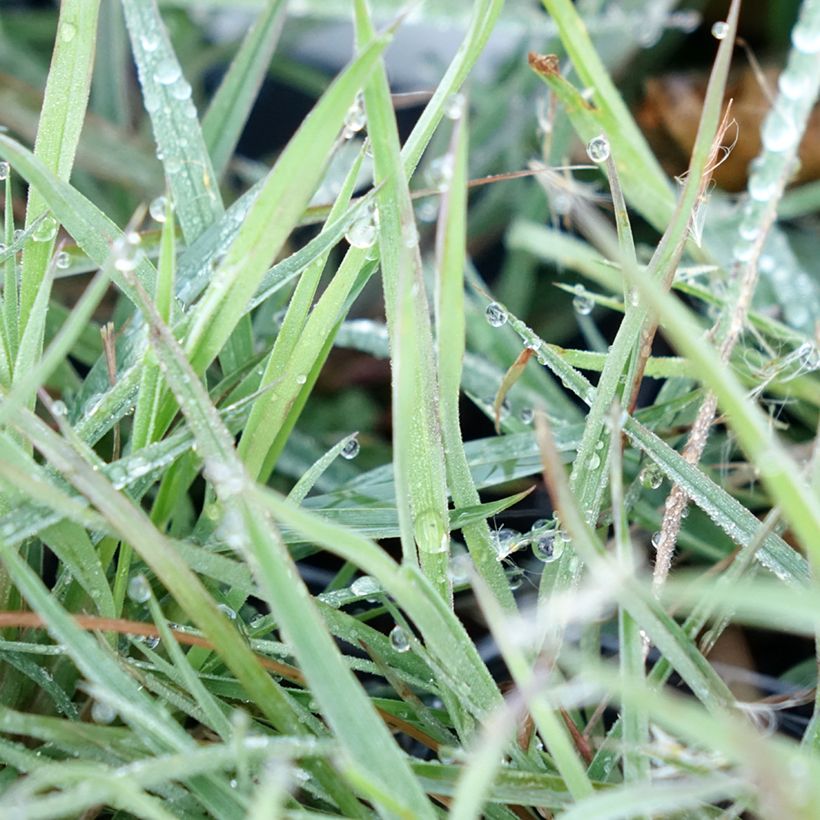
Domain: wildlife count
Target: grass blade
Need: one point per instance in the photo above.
(228, 111)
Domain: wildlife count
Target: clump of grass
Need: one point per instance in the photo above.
(222, 594)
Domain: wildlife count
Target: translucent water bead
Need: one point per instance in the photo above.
(582, 304)
(806, 38)
(356, 118)
(362, 233)
(5, 170)
(365, 585)
(720, 30)
(454, 106)
(139, 590)
(103, 713)
(45, 230)
(62, 260)
(399, 640)
(351, 449)
(157, 208)
(650, 477)
(496, 315)
(167, 72)
(598, 149)
(779, 132)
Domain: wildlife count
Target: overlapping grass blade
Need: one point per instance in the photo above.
(228, 111)
(167, 99)
(417, 444)
(339, 694)
(58, 131)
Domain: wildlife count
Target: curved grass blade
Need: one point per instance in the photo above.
(58, 132)
(228, 111)
(343, 702)
(167, 99)
(418, 453)
(450, 348)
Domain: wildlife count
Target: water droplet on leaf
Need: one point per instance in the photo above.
(351, 449)
(399, 640)
(157, 208)
(598, 149)
(454, 105)
(496, 315)
(650, 477)
(45, 230)
(167, 71)
(139, 590)
(362, 233)
(720, 29)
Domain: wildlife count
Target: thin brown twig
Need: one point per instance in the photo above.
(31, 620)
(745, 274)
(110, 351)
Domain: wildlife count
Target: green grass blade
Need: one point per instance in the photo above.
(265, 424)
(58, 132)
(557, 738)
(167, 98)
(93, 231)
(228, 111)
(340, 696)
(273, 215)
(417, 444)
(450, 348)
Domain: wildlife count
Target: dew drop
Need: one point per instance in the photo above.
(229, 613)
(139, 590)
(68, 32)
(157, 208)
(547, 547)
(793, 84)
(102, 713)
(594, 461)
(410, 235)
(527, 414)
(362, 233)
(167, 72)
(582, 304)
(598, 149)
(5, 170)
(656, 540)
(806, 38)
(356, 118)
(301, 378)
(650, 477)
(454, 106)
(365, 585)
(720, 30)
(351, 449)
(62, 260)
(515, 579)
(496, 315)
(399, 640)
(779, 132)
(58, 408)
(150, 42)
(45, 230)
(440, 172)
(181, 90)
